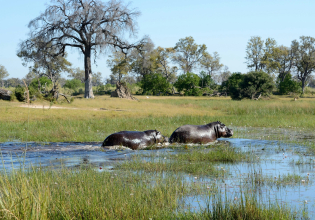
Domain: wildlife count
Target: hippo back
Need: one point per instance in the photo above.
(133, 139)
(200, 134)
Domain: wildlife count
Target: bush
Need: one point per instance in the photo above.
(189, 84)
(206, 81)
(34, 84)
(232, 86)
(256, 82)
(154, 84)
(19, 93)
(288, 85)
(73, 84)
(249, 85)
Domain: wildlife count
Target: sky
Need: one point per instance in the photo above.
(224, 26)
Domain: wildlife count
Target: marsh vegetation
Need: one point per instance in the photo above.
(263, 172)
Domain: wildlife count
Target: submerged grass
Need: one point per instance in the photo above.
(218, 153)
(257, 179)
(176, 166)
(245, 207)
(190, 160)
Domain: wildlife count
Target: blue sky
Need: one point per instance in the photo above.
(224, 26)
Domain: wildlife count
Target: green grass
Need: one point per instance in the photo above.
(87, 194)
(245, 207)
(85, 121)
(257, 179)
(215, 153)
(190, 160)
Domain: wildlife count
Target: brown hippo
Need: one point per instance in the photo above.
(200, 134)
(135, 139)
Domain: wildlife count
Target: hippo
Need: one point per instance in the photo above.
(135, 139)
(200, 134)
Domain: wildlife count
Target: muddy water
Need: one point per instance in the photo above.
(274, 158)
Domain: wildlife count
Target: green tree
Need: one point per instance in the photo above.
(188, 54)
(260, 53)
(119, 64)
(77, 73)
(45, 63)
(144, 61)
(3, 73)
(254, 53)
(256, 82)
(206, 80)
(97, 79)
(155, 84)
(211, 64)
(232, 86)
(283, 61)
(164, 56)
(304, 59)
(188, 83)
(288, 85)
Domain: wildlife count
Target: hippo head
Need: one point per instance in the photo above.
(159, 138)
(222, 130)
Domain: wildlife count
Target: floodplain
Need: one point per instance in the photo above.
(54, 167)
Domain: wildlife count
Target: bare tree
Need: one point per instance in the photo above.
(224, 75)
(188, 53)
(88, 25)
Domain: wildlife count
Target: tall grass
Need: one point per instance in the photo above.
(244, 207)
(87, 194)
(93, 120)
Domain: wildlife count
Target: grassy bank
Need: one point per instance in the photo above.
(93, 120)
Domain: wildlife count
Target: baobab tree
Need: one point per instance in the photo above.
(91, 26)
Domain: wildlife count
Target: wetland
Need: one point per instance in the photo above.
(265, 171)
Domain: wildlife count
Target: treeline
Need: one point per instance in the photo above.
(273, 68)
(166, 71)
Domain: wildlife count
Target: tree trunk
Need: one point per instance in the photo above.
(88, 74)
(303, 85)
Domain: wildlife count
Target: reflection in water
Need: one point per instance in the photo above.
(275, 159)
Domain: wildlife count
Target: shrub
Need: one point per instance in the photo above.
(256, 82)
(188, 83)
(206, 81)
(34, 84)
(19, 93)
(289, 85)
(154, 84)
(232, 86)
(248, 85)
(73, 84)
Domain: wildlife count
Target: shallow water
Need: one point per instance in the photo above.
(274, 158)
